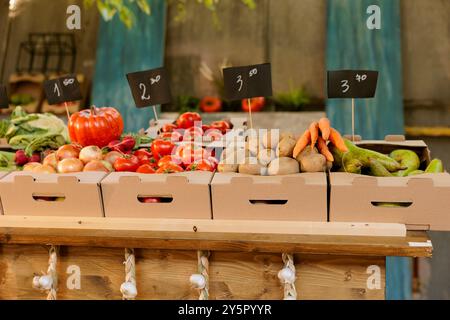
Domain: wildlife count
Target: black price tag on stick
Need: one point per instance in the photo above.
(352, 83)
(248, 82)
(4, 101)
(150, 88)
(62, 90)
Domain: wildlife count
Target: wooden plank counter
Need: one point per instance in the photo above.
(333, 261)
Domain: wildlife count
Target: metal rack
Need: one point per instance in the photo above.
(47, 53)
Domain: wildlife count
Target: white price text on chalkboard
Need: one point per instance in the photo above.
(62, 90)
(248, 81)
(352, 83)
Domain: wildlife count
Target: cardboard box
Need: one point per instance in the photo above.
(2, 174)
(34, 194)
(297, 197)
(183, 195)
(422, 202)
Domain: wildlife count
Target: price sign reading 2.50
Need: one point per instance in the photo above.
(248, 81)
(150, 88)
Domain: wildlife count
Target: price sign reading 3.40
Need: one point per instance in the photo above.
(248, 82)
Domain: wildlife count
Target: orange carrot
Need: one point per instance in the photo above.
(314, 129)
(324, 126)
(336, 139)
(323, 149)
(301, 144)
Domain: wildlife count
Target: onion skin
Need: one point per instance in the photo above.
(97, 166)
(70, 166)
(30, 166)
(90, 153)
(112, 156)
(67, 151)
(44, 168)
(51, 160)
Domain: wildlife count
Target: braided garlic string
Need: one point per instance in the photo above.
(48, 281)
(128, 288)
(287, 277)
(200, 281)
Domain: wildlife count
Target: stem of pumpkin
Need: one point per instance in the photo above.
(93, 110)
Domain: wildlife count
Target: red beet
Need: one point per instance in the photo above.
(21, 158)
(36, 157)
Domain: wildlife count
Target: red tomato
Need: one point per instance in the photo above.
(193, 133)
(143, 155)
(127, 163)
(210, 104)
(169, 159)
(223, 126)
(214, 134)
(257, 104)
(146, 168)
(188, 119)
(213, 161)
(174, 136)
(205, 127)
(169, 168)
(191, 153)
(168, 127)
(202, 165)
(161, 148)
(149, 200)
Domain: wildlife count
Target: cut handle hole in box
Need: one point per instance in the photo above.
(154, 199)
(392, 204)
(269, 202)
(48, 198)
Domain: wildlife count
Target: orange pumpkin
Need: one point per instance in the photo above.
(95, 126)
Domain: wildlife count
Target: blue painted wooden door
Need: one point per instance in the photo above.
(351, 45)
(120, 51)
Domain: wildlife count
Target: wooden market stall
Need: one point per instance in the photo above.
(188, 259)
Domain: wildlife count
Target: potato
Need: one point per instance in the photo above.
(286, 147)
(253, 145)
(314, 162)
(306, 153)
(231, 156)
(283, 166)
(265, 156)
(251, 166)
(284, 135)
(222, 167)
(271, 139)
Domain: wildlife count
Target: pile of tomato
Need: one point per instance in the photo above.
(177, 148)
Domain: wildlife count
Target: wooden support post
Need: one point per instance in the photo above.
(128, 288)
(287, 277)
(49, 281)
(201, 280)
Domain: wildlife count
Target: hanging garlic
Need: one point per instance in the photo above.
(198, 281)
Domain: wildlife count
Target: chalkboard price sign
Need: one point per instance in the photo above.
(248, 82)
(62, 90)
(4, 101)
(352, 83)
(150, 88)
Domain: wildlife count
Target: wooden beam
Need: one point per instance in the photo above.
(214, 235)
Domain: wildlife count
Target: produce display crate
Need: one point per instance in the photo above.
(34, 194)
(297, 197)
(181, 195)
(421, 202)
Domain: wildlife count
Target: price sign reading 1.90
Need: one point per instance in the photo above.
(62, 90)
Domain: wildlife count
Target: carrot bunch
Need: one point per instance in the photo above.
(320, 133)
